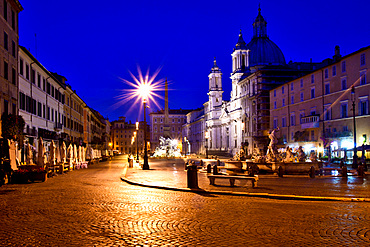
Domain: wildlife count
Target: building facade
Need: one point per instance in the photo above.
(316, 111)
(41, 99)
(128, 137)
(53, 111)
(158, 125)
(243, 122)
(9, 57)
(193, 131)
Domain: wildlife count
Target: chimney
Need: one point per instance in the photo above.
(337, 55)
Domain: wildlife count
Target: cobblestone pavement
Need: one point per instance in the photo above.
(171, 173)
(93, 207)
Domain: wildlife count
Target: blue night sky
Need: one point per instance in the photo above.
(95, 43)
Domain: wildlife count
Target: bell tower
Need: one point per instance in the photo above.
(215, 86)
(240, 64)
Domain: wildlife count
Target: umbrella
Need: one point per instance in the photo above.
(70, 153)
(63, 153)
(29, 154)
(83, 154)
(75, 155)
(52, 153)
(40, 153)
(79, 154)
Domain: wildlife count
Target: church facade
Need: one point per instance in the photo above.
(244, 121)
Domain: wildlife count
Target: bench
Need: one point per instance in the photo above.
(232, 179)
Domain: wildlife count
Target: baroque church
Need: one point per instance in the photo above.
(243, 122)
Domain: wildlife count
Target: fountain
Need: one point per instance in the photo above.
(287, 162)
(167, 148)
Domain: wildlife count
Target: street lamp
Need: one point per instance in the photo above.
(354, 164)
(185, 140)
(137, 142)
(146, 163)
(207, 136)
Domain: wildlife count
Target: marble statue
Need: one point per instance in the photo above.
(301, 155)
(289, 156)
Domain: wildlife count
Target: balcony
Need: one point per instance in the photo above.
(310, 122)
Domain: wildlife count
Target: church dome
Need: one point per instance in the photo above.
(262, 51)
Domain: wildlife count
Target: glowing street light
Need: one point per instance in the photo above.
(144, 87)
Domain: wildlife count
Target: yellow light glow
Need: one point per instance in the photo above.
(137, 125)
(110, 144)
(144, 89)
(207, 135)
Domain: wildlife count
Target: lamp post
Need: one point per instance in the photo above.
(207, 136)
(354, 164)
(137, 141)
(146, 163)
(185, 140)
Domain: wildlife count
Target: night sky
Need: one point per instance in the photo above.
(95, 43)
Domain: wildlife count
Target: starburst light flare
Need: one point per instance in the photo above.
(143, 87)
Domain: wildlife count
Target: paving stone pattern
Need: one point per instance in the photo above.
(93, 207)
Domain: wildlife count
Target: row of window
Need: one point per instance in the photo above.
(326, 75)
(6, 45)
(362, 109)
(179, 120)
(161, 129)
(6, 108)
(32, 106)
(326, 88)
(129, 136)
(13, 78)
(39, 109)
(42, 83)
(5, 14)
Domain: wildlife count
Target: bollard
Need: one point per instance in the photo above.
(131, 163)
(61, 167)
(360, 171)
(192, 176)
(280, 171)
(186, 165)
(215, 170)
(251, 170)
(312, 172)
(344, 171)
(209, 168)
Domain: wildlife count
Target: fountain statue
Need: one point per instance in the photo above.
(301, 155)
(289, 155)
(272, 154)
(313, 156)
(167, 148)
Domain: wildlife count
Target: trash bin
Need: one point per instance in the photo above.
(344, 171)
(215, 170)
(192, 176)
(131, 163)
